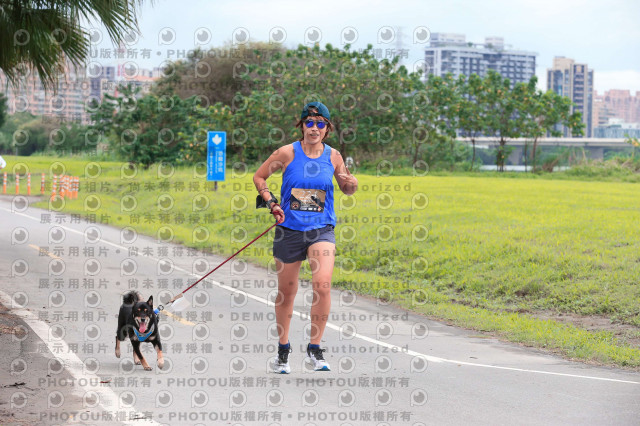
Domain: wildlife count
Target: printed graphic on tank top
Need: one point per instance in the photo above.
(308, 200)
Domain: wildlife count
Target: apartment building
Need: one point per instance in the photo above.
(575, 81)
(451, 53)
(75, 90)
(65, 103)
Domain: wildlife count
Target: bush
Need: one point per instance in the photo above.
(625, 168)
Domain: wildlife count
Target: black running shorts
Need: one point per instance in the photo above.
(291, 246)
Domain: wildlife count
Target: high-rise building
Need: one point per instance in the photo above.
(616, 114)
(451, 53)
(103, 79)
(74, 92)
(621, 104)
(575, 81)
(66, 103)
(602, 112)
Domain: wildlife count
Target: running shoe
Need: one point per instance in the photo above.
(316, 359)
(281, 362)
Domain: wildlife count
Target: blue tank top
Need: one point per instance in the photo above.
(307, 191)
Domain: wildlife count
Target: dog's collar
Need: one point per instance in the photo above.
(142, 337)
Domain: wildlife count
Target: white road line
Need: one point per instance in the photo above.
(394, 348)
(107, 397)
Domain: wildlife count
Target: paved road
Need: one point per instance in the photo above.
(61, 281)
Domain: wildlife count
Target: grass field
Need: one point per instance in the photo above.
(488, 253)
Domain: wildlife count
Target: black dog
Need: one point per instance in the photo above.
(138, 320)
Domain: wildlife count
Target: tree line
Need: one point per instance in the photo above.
(380, 109)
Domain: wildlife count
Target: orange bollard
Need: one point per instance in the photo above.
(28, 183)
(54, 186)
(17, 184)
(62, 191)
(42, 184)
(77, 188)
(4, 183)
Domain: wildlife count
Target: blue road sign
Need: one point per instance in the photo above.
(216, 155)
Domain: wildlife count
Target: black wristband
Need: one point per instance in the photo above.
(271, 202)
(260, 202)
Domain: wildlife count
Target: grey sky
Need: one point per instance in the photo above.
(603, 34)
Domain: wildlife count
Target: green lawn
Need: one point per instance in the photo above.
(487, 253)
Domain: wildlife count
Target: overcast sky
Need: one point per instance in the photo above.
(604, 34)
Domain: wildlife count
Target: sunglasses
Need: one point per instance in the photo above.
(320, 124)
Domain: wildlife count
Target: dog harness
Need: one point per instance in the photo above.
(142, 337)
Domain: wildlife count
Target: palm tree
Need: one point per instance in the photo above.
(41, 34)
(3, 109)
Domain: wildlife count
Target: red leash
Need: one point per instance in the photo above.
(228, 259)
